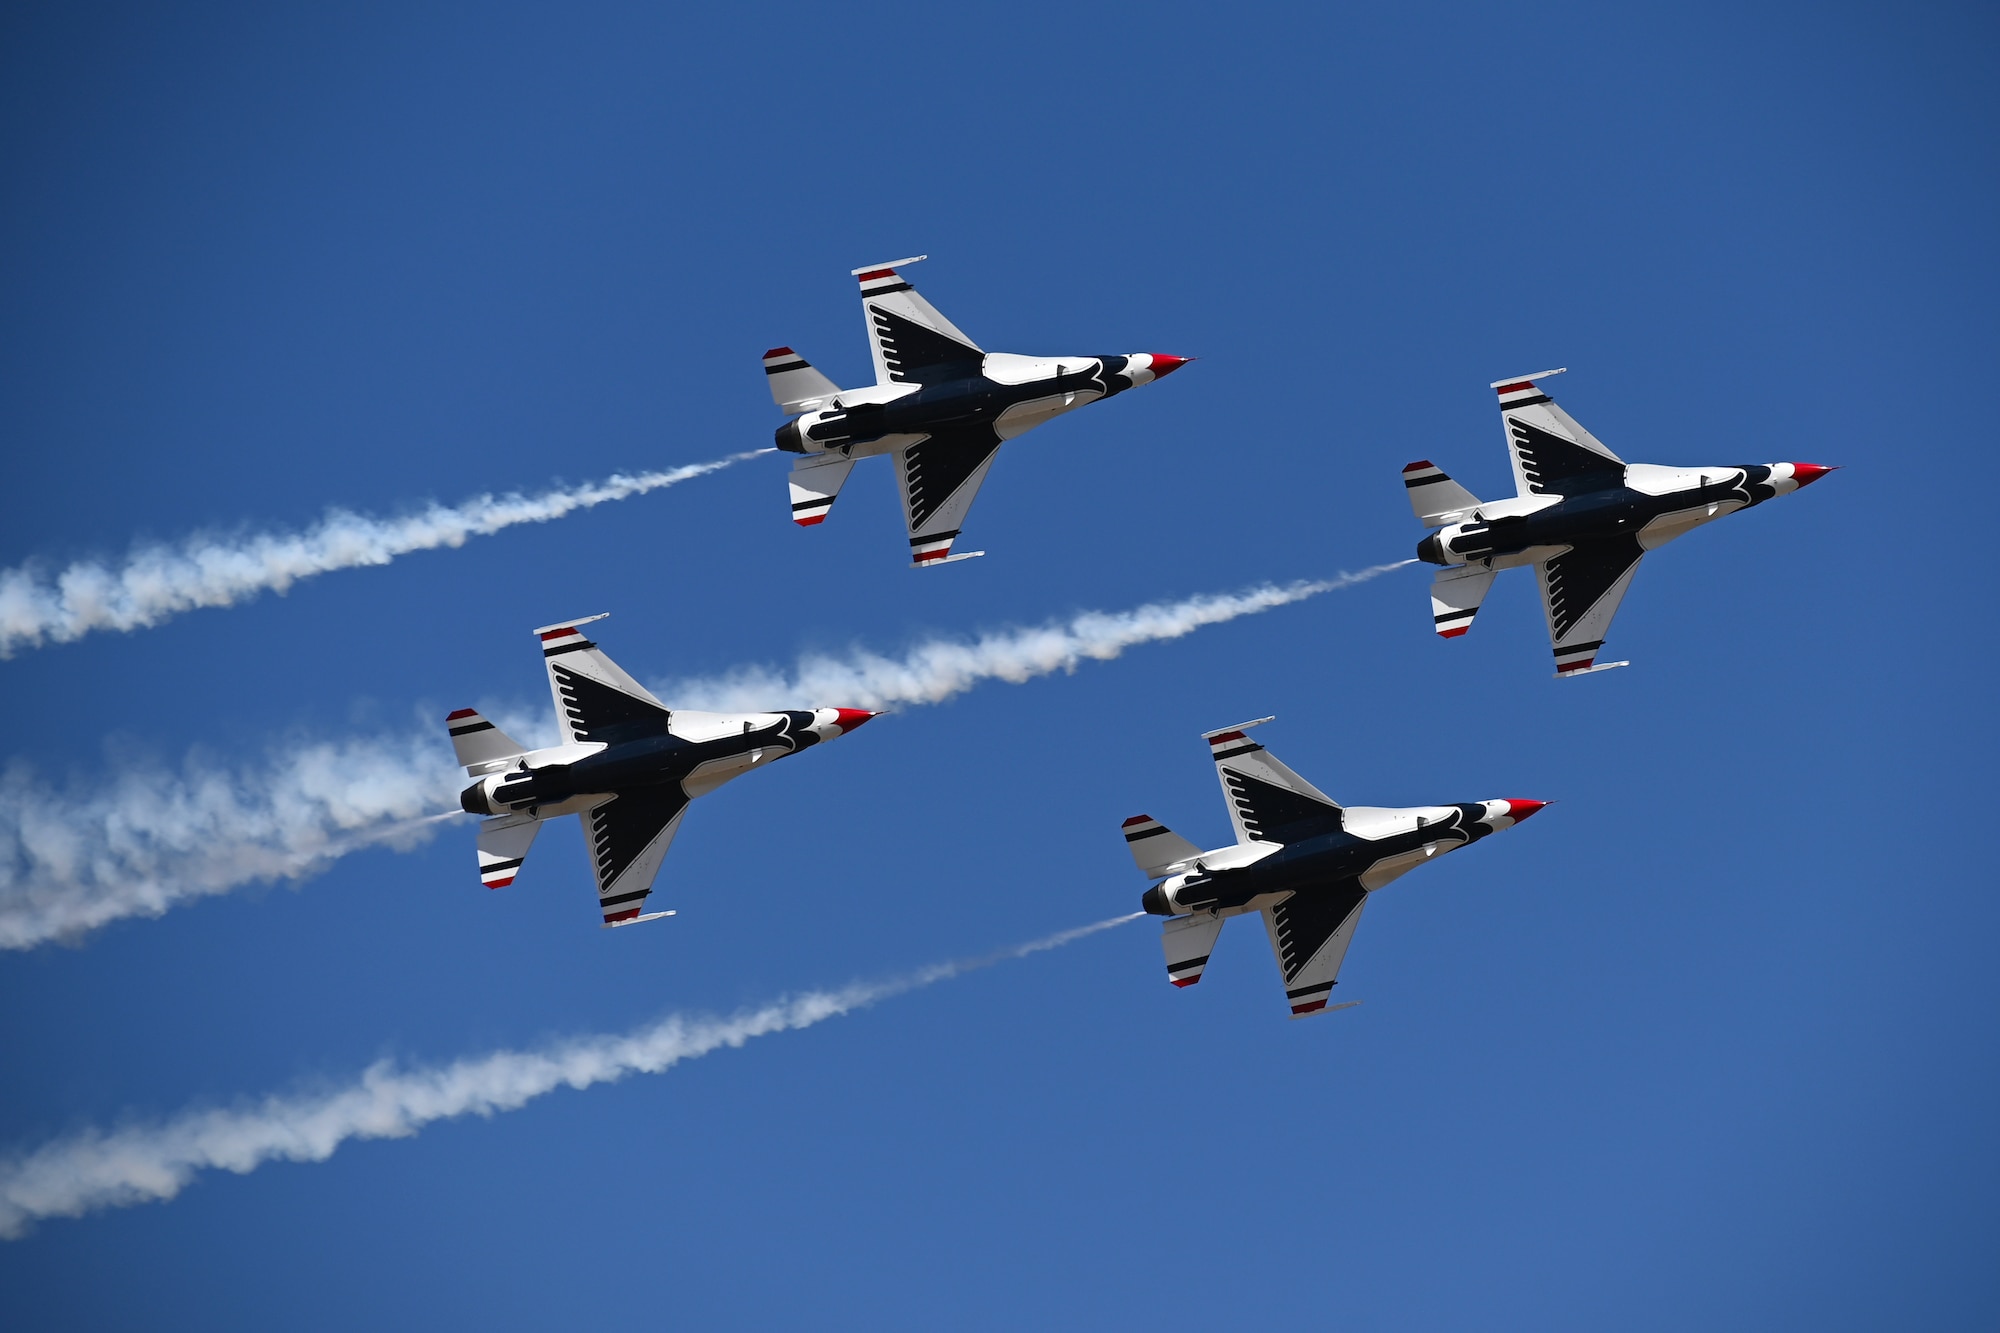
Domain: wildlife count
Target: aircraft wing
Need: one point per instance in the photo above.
(595, 700)
(939, 477)
(1310, 932)
(629, 837)
(1581, 590)
(1267, 801)
(912, 343)
(1552, 454)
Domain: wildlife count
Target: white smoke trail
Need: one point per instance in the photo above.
(148, 837)
(156, 583)
(98, 1169)
(938, 669)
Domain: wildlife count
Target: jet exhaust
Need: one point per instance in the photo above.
(145, 1163)
(163, 836)
(156, 583)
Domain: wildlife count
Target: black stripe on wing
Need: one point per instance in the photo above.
(624, 827)
(597, 712)
(1278, 814)
(1555, 466)
(1308, 919)
(918, 355)
(940, 465)
(1580, 576)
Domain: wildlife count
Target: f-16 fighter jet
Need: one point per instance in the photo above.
(1582, 516)
(627, 764)
(1303, 860)
(939, 406)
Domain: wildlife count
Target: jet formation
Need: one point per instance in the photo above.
(940, 406)
(1301, 859)
(1580, 515)
(627, 764)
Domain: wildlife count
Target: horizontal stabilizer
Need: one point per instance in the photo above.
(1437, 499)
(1156, 849)
(1455, 597)
(816, 484)
(481, 747)
(1187, 942)
(795, 386)
(503, 845)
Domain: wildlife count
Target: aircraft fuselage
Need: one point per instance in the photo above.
(1665, 503)
(549, 779)
(1026, 392)
(1374, 845)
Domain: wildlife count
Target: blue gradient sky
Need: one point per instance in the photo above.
(1710, 1043)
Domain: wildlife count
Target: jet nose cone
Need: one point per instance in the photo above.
(847, 719)
(1805, 474)
(1520, 810)
(1164, 365)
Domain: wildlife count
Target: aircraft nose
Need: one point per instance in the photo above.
(1805, 474)
(847, 719)
(1164, 365)
(1520, 810)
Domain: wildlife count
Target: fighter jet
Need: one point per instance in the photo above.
(627, 764)
(939, 406)
(1303, 860)
(1582, 516)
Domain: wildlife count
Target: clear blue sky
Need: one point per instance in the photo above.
(1709, 1044)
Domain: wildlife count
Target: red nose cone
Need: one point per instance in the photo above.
(1805, 474)
(1520, 810)
(847, 719)
(1164, 365)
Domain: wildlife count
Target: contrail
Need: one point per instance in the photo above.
(156, 583)
(150, 837)
(940, 668)
(97, 1169)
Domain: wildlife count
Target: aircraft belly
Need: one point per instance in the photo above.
(1024, 417)
(1664, 528)
(887, 444)
(706, 777)
(1391, 868)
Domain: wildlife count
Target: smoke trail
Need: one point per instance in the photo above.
(156, 583)
(148, 837)
(151, 837)
(97, 1169)
(938, 669)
